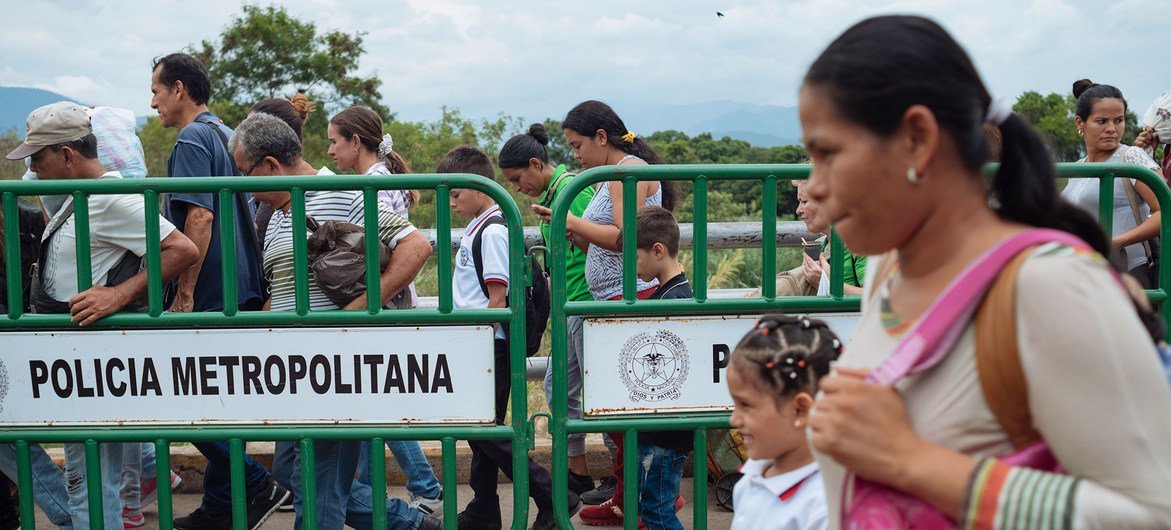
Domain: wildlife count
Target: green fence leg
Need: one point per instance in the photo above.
(378, 481)
(239, 491)
(163, 486)
(93, 485)
(24, 475)
(450, 477)
(699, 477)
(631, 467)
(308, 485)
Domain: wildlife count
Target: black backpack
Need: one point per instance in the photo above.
(537, 302)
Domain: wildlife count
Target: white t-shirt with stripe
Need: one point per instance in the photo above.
(117, 223)
(323, 206)
(494, 253)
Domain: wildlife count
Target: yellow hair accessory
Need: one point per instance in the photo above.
(628, 137)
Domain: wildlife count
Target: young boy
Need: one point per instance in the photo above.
(660, 454)
(489, 288)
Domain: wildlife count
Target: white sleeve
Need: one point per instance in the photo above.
(1097, 391)
(494, 252)
(121, 220)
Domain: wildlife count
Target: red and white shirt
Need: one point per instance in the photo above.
(794, 500)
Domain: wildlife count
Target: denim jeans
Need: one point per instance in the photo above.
(660, 471)
(421, 480)
(138, 460)
(341, 499)
(572, 382)
(48, 483)
(284, 457)
(217, 479)
(110, 456)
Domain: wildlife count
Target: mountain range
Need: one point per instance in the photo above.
(760, 125)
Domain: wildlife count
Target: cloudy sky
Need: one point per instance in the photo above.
(537, 58)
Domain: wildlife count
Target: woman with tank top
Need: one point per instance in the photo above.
(600, 138)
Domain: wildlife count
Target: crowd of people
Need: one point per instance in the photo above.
(1004, 373)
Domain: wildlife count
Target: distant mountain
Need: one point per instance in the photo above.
(760, 125)
(16, 103)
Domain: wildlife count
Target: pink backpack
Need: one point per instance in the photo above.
(985, 290)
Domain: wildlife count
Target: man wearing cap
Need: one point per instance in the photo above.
(61, 145)
(180, 89)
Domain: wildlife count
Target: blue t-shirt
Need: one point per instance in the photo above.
(199, 152)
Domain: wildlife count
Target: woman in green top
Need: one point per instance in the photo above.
(853, 265)
(524, 161)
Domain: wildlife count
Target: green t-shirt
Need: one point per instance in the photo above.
(853, 265)
(577, 289)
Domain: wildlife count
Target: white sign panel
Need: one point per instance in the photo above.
(351, 375)
(638, 365)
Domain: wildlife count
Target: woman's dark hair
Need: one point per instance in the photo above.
(292, 111)
(882, 66)
(188, 69)
(1088, 93)
(787, 354)
(367, 124)
(589, 116)
(519, 149)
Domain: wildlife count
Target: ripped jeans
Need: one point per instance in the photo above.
(110, 455)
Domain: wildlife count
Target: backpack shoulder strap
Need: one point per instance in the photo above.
(477, 245)
(998, 360)
(224, 142)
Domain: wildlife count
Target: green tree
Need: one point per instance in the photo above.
(264, 52)
(1053, 117)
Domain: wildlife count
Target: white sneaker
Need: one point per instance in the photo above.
(432, 507)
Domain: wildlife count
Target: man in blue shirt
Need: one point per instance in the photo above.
(180, 86)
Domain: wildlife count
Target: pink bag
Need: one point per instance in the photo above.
(876, 506)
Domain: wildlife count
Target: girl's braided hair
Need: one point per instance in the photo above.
(787, 354)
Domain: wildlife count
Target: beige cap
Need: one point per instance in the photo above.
(53, 124)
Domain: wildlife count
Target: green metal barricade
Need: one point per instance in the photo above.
(231, 317)
(701, 422)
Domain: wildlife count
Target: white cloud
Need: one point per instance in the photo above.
(537, 59)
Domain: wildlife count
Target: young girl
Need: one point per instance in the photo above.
(773, 378)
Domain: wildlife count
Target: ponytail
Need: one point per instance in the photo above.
(398, 166)
(1025, 187)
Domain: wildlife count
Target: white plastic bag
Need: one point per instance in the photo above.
(1158, 117)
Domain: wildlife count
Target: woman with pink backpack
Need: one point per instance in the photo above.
(1000, 376)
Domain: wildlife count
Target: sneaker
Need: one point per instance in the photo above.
(601, 494)
(149, 491)
(286, 506)
(471, 521)
(545, 519)
(132, 518)
(580, 484)
(430, 523)
(608, 513)
(200, 520)
(428, 506)
(262, 504)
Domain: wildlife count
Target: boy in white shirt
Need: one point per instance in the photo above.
(488, 288)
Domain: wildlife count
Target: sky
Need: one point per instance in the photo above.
(536, 59)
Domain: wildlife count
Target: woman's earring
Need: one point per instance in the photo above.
(796, 424)
(1081, 132)
(912, 176)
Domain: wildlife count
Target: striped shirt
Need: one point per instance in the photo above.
(322, 206)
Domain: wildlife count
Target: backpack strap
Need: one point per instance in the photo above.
(477, 255)
(998, 359)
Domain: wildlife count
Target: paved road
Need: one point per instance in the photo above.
(718, 518)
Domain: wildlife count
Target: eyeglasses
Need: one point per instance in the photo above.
(253, 168)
